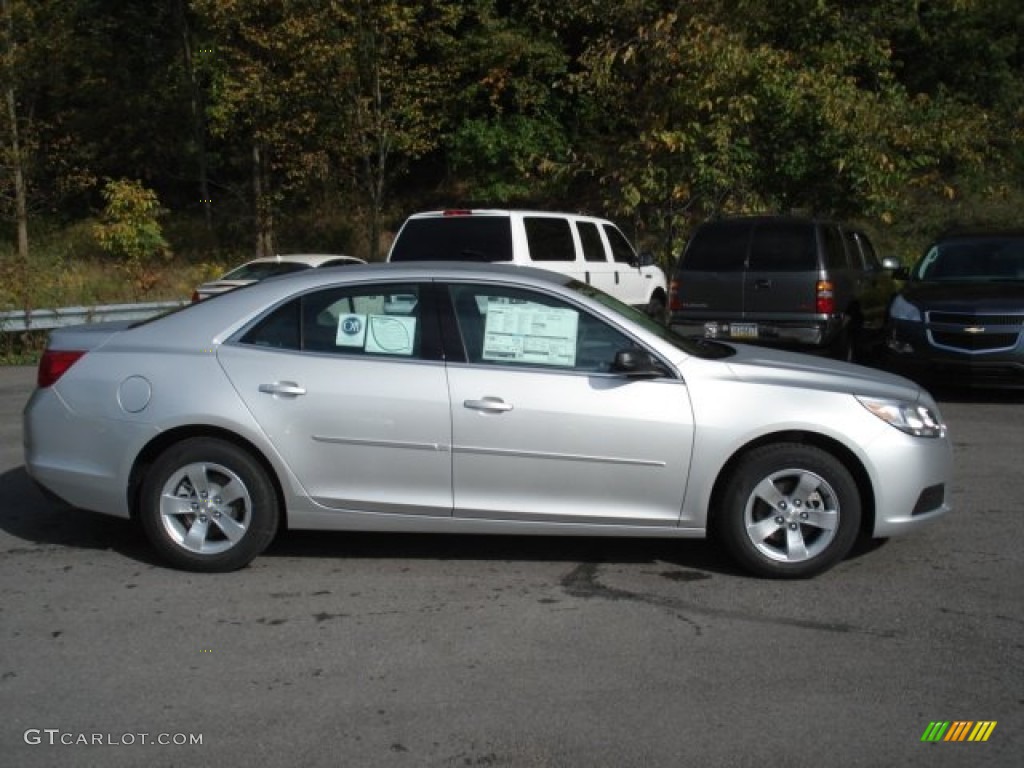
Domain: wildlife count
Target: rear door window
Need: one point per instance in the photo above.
(622, 251)
(590, 239)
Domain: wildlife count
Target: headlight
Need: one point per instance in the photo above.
(912, 418)
(901, 309)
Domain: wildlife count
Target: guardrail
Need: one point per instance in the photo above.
(47, 319)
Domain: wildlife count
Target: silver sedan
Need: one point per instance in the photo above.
(473, 399)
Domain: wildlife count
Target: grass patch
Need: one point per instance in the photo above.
(66, 268)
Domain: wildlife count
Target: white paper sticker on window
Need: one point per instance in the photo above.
(390, 335)
(530, 333)
(351, 331)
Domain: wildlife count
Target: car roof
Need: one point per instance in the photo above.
(456, 213)
(977, 234)
(310, 259)
(761, 218)
(297, 282)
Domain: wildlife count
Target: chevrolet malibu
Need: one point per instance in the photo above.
(453, 398)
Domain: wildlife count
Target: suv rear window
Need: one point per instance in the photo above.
(455, 238)
(718, 247)
(783, 246)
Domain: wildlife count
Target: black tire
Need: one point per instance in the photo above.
(657, 309)
(188, 518)
(843, 347)
(789, 511)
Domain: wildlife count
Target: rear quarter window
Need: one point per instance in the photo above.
(549, 239)
(836, 254)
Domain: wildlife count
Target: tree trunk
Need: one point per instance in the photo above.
(16, 161)
(20, 188)
(261, 194)
(198, 109)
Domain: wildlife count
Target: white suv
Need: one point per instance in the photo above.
(590, 249)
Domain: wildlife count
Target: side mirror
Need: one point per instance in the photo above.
(645, 259)
(637, 363)
(901, 273)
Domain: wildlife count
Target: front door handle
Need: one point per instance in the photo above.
(282, 389)
(488, 405)
(762, 284)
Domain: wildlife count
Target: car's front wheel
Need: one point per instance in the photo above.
(208, 505)
(657, 309)
(789, 510)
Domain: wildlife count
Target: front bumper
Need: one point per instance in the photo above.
(955, 355)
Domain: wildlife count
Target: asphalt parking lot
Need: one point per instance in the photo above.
(373, 650)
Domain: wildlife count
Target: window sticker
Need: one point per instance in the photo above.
(381, 334)
(530, 333)
(351, 331)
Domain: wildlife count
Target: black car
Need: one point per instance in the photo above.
(959, 318)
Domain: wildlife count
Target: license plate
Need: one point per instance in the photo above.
(743, 330)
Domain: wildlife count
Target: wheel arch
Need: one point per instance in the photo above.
(165, 440)
(828, 444)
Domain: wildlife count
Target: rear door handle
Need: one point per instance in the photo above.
(488, 405)
(282, 389)
(759, 284)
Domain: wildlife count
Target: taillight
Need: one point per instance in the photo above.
(54, 364)
(675, 304)
(824, 298)
(457, 212)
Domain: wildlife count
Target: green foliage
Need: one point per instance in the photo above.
(130, 228)
(319, 125)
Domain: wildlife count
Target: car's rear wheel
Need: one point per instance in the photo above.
(208, 505)
(789, 511)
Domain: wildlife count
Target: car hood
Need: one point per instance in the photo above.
(765, 365)
(992, 296)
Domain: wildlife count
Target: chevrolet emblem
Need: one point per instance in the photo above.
(974, 329)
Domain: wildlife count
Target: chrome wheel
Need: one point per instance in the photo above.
(787, 510)
(205, 508)
(209, 505)
(792, 515)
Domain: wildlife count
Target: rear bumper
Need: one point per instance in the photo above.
(813, 331)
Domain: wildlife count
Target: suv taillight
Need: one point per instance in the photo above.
(674, 303)
(54, 364)
(824, 298)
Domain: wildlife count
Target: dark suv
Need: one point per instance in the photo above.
(960, 316)
(783, 281)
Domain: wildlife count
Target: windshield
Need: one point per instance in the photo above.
(706, 348)
(982, 259)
